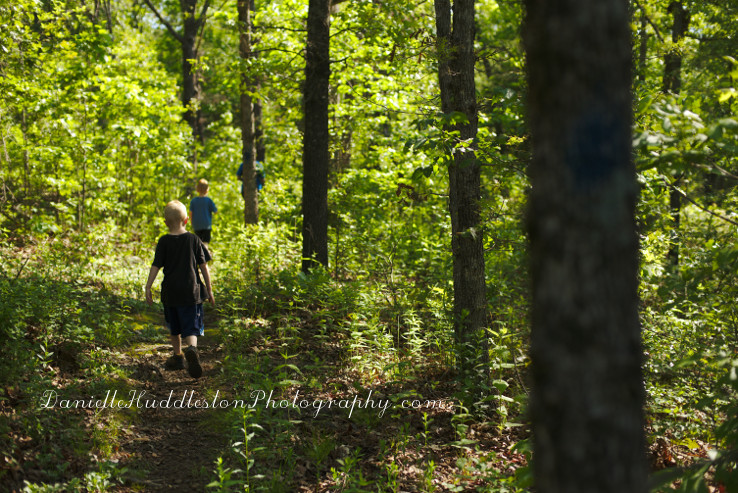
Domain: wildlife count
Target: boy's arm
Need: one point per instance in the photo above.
(150, 282)
(206, 279)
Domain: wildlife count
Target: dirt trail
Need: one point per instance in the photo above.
(171, 448)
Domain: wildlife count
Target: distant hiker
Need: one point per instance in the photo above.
(259, 175)
(180, 253)
(202, 209)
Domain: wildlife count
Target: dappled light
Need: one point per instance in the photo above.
(402, 246)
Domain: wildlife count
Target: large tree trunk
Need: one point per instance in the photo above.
(315, 159)
(455, 43)
(248, 132)
(587, 401)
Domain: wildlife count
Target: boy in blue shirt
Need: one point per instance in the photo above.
(180, 254)
(202, 209)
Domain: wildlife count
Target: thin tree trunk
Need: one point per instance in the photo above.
(190, 99)
(108, 16)
(81, 206)
(673, 59)
(189, 84)
(259, 133)
(455, 44)
(24, 131)
(642, 48)
(191, 25)
(251, 201)
(675, 208)
(315, 160)
(4, 141)
(587, 401)
(673, 85)
(258, 110)
(26, 159)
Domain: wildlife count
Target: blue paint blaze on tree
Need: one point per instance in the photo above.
(594, 143)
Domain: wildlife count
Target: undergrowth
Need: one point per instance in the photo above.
(73, 307)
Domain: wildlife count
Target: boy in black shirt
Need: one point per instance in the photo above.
(180, 254)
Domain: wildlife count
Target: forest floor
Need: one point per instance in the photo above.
(169, 448)
(296, 348)
(175, 449)
(335, 421)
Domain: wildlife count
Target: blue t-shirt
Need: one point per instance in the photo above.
(202, 208)
(259, 175)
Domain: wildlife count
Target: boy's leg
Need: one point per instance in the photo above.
(195, 327)
(176, 361)
(176, 343)
(193, 362)
(190, 341)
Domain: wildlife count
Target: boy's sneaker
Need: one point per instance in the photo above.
(193, 362)
(175, 362)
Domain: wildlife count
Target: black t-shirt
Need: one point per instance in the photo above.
(179, 256)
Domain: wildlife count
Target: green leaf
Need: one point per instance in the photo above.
(500, 385)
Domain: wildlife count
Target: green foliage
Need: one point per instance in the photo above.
(95, 125)
(92, 144)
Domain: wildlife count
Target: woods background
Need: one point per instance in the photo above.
(445, 182)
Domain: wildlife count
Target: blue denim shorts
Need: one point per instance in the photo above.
(185, 321)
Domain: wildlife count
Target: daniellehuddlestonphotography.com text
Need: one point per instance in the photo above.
(188, 399)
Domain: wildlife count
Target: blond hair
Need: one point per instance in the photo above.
(202, 186)
(175, 213)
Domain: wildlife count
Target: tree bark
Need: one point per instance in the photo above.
(587, 401)
(315, 160)
(673, 85)
(250, 198)
(191, 25)
(259, 133)
(190, 90)
(673, 59)
(455, 44)
(642, 47)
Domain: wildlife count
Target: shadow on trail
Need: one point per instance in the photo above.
(85, 344)
(172, 444)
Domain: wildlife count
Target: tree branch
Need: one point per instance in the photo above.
(201, 22)
(720, 171)
(655, 29)
(266, 50)
(719, 216)
(204, 11)
(265, 27)
(166, 23)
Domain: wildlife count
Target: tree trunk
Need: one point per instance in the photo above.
(455, 44)
(587, 401)
(191, 26)
(673, 85)
(675, 208)
(315, 159)
(642, 47)
(258, 122)
(251, 201)
(673, 59)
(259, 133)
(26, 160)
